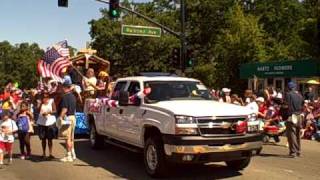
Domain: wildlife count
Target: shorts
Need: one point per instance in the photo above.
(6, 146)
(67, 131)
(47, 132)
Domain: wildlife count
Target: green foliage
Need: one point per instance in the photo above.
(223, 34)
(130, 55)
(242, 41)
(19, 63)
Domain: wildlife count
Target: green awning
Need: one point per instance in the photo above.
(288, 69)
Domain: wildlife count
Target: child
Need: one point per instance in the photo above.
(8, 127)
(24, 123)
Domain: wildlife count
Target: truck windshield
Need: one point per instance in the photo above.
(176, 90)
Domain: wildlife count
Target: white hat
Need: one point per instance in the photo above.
(260, 99)
(226, 90)
(271, 108)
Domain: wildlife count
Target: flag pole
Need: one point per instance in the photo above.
(82, 76)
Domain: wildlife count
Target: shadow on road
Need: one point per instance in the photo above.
(129, 165)
(273, 155)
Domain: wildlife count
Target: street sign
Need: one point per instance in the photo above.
(148, 31)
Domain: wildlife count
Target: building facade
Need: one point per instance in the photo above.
(278, 74)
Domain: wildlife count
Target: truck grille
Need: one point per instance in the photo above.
(218, 126)
(210, 131)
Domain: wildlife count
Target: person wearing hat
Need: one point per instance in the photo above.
(67, 120)
(102, 84)
(226, 95)
(294, 101)
(253, 105)
(262, 111)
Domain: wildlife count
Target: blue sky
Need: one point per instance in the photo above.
(41, 21)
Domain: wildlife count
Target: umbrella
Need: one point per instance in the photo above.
(313, 82)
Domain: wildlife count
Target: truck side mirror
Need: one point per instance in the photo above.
(123, 98)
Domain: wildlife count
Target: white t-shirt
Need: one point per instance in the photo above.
(253, 106)
(49, 119)
(9, 125)
(279, 95)
(89, 83)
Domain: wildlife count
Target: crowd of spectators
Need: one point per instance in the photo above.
(270, 106)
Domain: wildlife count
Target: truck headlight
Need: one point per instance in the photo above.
(185, 120)
(252, 117)
(186, 125)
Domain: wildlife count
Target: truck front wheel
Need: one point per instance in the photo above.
(154, 157)
(96, 140)
(238, 164)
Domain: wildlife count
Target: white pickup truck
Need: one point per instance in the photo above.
(175, 122)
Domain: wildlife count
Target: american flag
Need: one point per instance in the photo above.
(54, 61)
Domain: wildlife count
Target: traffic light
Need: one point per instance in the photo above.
(189, 59)
(176, 57)
(62, 3)
(114, 8)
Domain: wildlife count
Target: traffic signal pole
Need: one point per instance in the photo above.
(183, 39)
(181, 35)
(146, 18)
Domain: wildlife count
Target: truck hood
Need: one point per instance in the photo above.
(200, 108)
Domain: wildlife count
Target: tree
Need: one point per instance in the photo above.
(282, 21)
(131, 55)
(19, 63)
(223, 34)
(242, 41)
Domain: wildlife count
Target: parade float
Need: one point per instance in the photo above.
(85, 59)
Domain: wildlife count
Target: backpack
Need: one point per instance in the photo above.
(23, 123)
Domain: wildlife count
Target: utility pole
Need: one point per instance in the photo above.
(183, 39)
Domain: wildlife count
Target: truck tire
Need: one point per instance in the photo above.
(238, 164)
(154, 157)
(96, 140)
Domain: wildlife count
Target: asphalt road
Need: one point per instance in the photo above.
(116, 163)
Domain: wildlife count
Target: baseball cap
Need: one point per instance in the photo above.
(292, 85)
(226, 90)
(67, 81)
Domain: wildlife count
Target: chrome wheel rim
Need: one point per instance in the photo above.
(152, 158)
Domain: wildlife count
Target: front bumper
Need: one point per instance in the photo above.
(210, 149)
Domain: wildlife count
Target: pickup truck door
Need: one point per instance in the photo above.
(112, 113)
(130, 117)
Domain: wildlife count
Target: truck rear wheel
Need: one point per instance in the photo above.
(154, 157)
(96, 140)
(238, 164)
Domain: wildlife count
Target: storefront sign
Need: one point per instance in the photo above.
(303, 68)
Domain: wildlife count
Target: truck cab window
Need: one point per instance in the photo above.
(134, 88)
(120, 86)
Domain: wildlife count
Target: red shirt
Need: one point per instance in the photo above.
(262, 109)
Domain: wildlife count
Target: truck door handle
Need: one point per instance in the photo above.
(121, 111)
